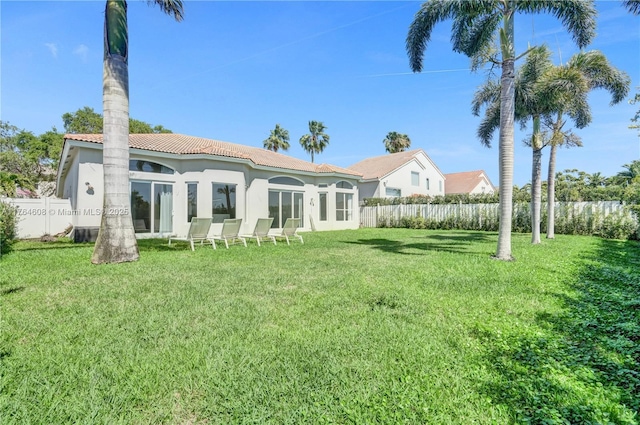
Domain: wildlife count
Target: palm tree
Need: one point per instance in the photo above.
(316, 140)
(396, 142)
(116, 240)
(530, 103)
(278, 139)
(476, 25)
(590, 70)
(631, 172)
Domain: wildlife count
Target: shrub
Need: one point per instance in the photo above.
(8, 226)
(619, 226)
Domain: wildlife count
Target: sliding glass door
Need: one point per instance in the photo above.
(285, 204)
(152, 207)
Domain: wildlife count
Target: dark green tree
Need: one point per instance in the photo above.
(88, 121)
(277, 140)
(396, 142)
(317, 140)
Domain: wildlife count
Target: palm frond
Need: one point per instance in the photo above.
(470, 35)
(601, 74)
(489, 124)
(632, 6)
(170, 7)
(487, 94)
(432, 12)
(577, 16)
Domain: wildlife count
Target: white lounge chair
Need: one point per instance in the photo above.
(263, 225)
(230, 232)
(198, 230)
(289, 230)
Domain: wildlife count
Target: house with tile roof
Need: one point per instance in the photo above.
(174, 177)
(469, 182)
(398, 175)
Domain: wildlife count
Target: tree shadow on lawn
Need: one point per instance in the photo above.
(457, 243)
(584, 365)
(151, 245)
(35, 245)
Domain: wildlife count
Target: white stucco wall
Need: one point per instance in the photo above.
(483, 187)
(402, 179)
(251, 184)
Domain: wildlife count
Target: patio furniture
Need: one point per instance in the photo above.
(263, 225)
(198, 230)
(230, 232)
(289, 230)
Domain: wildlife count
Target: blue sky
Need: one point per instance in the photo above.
(232, 70)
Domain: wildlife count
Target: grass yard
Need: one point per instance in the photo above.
(353, 327)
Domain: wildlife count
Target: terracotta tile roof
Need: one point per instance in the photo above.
(379, 166)
(181, 144)
(464, 182)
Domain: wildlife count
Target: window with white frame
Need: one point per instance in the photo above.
(427, 183)
(192, 201)
(392, 191)
(323, 206)
(415, 178)
(344, 206)
(223, 202)
(440, 185)
(284, 204)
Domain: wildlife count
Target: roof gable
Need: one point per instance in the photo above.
(465, 182)
(378, 167)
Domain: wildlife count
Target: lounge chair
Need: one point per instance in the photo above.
(230, 232)
(262, 230)
(289, 230)
(198, 230)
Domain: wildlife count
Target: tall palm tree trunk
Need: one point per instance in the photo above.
(507, 123)
(551, 193)
(116, 240)
(536, 182)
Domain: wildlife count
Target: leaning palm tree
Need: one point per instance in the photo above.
(116, 240)
(316, 140)
(396, 142)
(278, 139)
(476, 24)
(590, 70)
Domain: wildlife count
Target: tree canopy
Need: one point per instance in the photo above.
(87, 121)
(317, 140)
(396, 142)
(278, 139)
(27, 160)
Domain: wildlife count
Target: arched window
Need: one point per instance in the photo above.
(289, 181)
(149, 167)
(344, 185)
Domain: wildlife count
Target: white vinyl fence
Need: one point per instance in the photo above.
(375, 216)
(41, 216)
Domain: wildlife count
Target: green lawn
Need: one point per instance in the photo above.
(368, 326)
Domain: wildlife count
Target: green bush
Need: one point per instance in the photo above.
(619, 226)
(8, 226)
(569, 221)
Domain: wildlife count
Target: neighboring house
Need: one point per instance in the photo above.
(471, 182)
(399, 174)
(176, 177)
